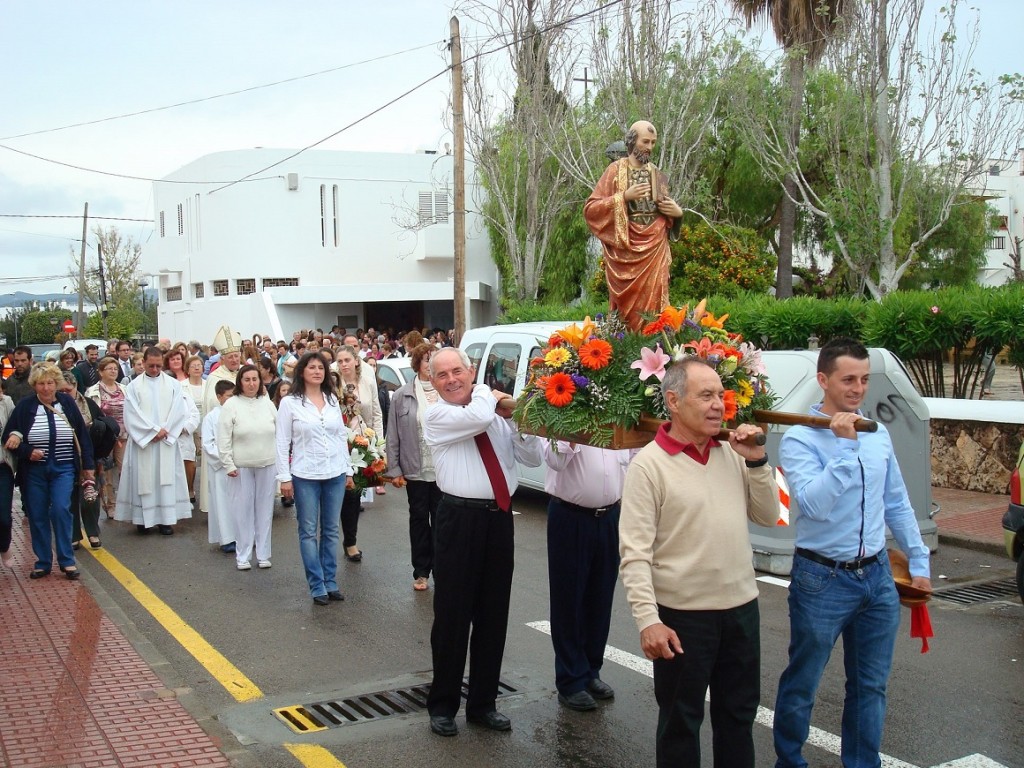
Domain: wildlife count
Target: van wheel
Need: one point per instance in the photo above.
(1020, 576)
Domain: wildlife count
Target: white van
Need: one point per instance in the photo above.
(81, 344)
(501, 355)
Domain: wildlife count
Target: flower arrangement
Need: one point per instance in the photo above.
(367, 457)
(595, 376)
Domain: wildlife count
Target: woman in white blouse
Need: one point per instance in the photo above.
(354, 373)
(313, 468)
(246, 439)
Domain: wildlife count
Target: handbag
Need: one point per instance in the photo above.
(89, 494)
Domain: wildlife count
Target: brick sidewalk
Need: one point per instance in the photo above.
(971, 519)
(74, 693)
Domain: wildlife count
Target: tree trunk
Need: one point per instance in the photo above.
(787, 217)
(887, 277)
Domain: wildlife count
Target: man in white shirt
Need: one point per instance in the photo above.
(585, 485)
(475, 447)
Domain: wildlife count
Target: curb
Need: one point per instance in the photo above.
(956, 540)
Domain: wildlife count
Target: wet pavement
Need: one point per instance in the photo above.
(74, 693)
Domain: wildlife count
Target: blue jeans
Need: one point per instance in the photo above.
(318, 505)
(864, 608)
(48, 487)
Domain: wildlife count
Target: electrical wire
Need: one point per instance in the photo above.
(218, 95)
(65, 216)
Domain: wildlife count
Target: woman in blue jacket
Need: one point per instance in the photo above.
(42, 432)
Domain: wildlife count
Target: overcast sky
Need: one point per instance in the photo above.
(67, 62)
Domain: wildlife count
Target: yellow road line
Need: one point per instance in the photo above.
(212, 660)
(312, 756)
(222, 670)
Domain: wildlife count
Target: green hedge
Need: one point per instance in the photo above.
(922, 328)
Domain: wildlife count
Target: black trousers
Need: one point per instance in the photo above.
(350, 518)
(424, 496)
(473, 564)
(85, 513)
(721, 650)
(583, 566)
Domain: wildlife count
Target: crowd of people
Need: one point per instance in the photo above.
(669, 519)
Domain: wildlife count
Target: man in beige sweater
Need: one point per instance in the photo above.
(687, 568)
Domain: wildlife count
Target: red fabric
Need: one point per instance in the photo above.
(921, 625)
(671, 446)
(494, 473)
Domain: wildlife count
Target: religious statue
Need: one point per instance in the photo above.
(631, 213)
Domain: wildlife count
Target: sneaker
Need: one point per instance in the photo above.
(246, 566)
(264, 564)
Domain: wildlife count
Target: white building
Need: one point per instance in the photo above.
(1004, 191)
(356, 239)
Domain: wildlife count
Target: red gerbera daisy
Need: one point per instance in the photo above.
(559, 389)
(595, 354)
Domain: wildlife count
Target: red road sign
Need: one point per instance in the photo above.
(68, 327)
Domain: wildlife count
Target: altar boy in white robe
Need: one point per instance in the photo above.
(153, 490)
(220, 520)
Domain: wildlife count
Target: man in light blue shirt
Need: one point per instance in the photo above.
(847, 487)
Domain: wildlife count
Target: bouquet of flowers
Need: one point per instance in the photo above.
(367, 456)
(595, 376)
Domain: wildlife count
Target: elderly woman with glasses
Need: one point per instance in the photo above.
(51, 440)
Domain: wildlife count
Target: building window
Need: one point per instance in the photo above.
(174, 294)
(433, 208)
(323, 215)
(997, 243)
(245, 286)
(198, 290)
(440, 206)
(181, 219)
(162, 224)
(220, 287)
(335, 193)
(279, 282)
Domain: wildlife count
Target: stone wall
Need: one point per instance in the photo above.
(974, 455)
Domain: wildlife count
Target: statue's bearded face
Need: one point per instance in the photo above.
(644, 146)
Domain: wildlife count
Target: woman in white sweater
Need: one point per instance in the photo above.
(246, 439)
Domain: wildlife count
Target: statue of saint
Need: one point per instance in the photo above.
(631, 213)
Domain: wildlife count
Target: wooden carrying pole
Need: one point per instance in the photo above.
(459, 171)
(802, 420)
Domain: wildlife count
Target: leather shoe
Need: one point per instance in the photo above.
(581, 701)
(443, 725)
(320, 600)
(599, 689)
(166, 530)
(336, 596)
(493, 720)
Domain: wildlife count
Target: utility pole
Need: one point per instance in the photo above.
(81, 273)
(459, 171)
(103, 288)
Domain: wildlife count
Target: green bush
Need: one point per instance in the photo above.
(531, 311)
(722, 259)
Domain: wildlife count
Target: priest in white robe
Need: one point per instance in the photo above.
(153, 490)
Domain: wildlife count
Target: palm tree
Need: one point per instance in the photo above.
(803, 29)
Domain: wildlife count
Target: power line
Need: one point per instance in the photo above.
(65, 216)
(553, 25)
(218, 95)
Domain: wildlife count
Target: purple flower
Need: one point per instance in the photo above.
(580, 381)
(620, 336)
(599, 316)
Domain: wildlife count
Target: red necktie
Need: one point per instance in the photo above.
(494, 473)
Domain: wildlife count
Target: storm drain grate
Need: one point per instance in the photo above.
(365, 707)
(978, 593)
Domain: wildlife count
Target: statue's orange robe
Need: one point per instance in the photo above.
(636, 257)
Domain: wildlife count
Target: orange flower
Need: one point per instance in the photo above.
(360, 441)
(554, 340)
(672, 317)
(709, 321)
(378, 466)
(577, 335)
(704, 348)
(559, 389)
(536, 361)
(730, 405)
(595, 354)
(653, 328)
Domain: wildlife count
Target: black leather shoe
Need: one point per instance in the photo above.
(320, 599)
(493, 720)
(142, 530)
(336, 596)
(581, 701)
(356, 558)
(443, 725)
(37, 574)
(74, 575)
(599, 689)
(166, 530)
